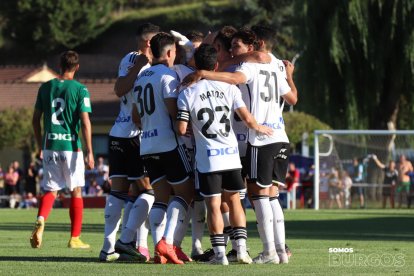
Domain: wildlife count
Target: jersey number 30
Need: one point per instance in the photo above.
(145, 99)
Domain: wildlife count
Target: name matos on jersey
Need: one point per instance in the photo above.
(209, 94)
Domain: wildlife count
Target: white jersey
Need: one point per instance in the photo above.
(153, 85)
(209, 105)
(124, 127)
(265, 86)
(182, 71)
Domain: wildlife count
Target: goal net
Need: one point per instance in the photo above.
(342, 153)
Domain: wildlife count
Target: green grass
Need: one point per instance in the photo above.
(310, 234)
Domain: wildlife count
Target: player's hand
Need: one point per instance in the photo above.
(265, 130)
(90, 161)
(209, 38)
(191, 79)
(289, 68)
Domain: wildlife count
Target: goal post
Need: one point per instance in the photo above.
(337, 148)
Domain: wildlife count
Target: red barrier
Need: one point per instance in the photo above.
(88, 202)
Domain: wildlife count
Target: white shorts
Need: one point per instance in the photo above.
(63, 169)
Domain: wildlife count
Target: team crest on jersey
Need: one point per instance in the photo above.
(87, 102)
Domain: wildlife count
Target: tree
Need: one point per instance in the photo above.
(16, 128)
(357, 65)
(44, 25)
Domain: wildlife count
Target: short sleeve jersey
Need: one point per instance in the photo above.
(153, 85)
(266, 86)
(210, 105)
(62, 102)
(124, 127)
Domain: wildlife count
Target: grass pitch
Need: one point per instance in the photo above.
(382, 242)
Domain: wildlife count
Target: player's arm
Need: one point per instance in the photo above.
(124, 84)
(181, 127)
(37, 129)
(87, 136)
(254, 56)
(231, 78)
(251, 122)
(135, 116)
(292, 96)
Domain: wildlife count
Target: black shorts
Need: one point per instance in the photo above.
(267, 164)
(124, 158)
(175, 165)
(212, 184)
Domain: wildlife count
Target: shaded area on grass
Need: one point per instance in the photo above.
(48, 259)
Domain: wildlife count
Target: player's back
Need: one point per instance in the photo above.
(153, 85)
(211, 105)
(266, 86)
(62, 101)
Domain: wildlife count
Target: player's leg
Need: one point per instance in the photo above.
(198, 219)
(260, 169)
(233, 184)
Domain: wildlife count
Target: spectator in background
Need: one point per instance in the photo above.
(335, 187)
(411, 193)
(403, 188)
(307, 184)
(16, 167)
(292, 180)
(1, 181)
(390, 180)
(102, 172)
(31, 179)
(358, 178)
(95, 189)
(11, 178)
(29, 201)
(346, 185)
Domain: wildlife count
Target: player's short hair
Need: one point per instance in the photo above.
(247, 36)
(160, 42)
(145, 29)
(180, 57)
(225, 36)
(68, 61)
(265, 33)
(205, 57)
(195, 36)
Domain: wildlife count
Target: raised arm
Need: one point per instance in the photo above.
(124, 84)
(377, 162)
(292, 96)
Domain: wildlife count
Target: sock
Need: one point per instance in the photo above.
(76, 215)
(113, 210)
(137, 215)
(219, 247)
(157, 219)
(127, 209)
(181, 230)
(240, 237)
(278, 224)
(198, 219)
(142, 234)
(46, 205)
(176, 212)
(264, 216)
(227, 227)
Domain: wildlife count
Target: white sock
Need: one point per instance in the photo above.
(157, 219)
(113, 210)
(142, 234)
(278, 225)
(217, 242)
(176, 212)
(264, 216)
(125, 216)
(137, 216)
(227, 227)
(240, 237)
(181, 230)
(198, 219)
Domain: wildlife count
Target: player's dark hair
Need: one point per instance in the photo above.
(146, 28)
(159, 42)
(205, 57)
(180, 57)
(247, 36)
(265, 33)
(68, 61)
(225, 36)
(195, 36)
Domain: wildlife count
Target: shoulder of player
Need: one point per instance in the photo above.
(130, 57)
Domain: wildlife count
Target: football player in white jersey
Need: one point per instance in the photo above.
(265, 154)
(163, 151)
(209, 105)
(265, 37)
(125, 162)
